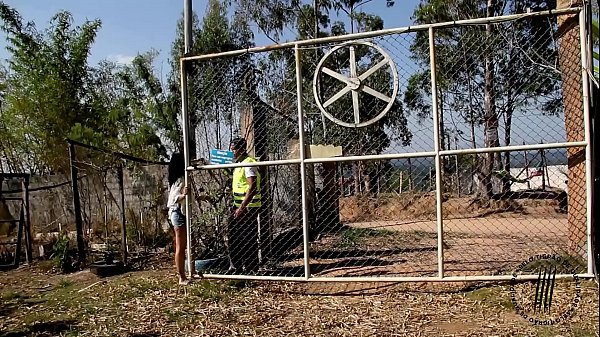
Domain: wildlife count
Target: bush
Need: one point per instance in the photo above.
(61, 256)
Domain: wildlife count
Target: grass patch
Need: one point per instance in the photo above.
(581, 332)
(11, 295)
(548, 331)
(564, 264)
(176, 316)
(139, 288)
(493, 296)
(355, 236)
(216, 291)
(552, 331)
(37, 317)
(65, 284)
(238, 284)
(421, 235)
(46, 265)
(208, 290)
(90, 309)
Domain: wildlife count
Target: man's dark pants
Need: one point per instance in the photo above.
(243, 239)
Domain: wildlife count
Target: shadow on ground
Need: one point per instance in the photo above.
(53, 328)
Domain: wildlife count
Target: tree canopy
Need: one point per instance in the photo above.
(51, 93)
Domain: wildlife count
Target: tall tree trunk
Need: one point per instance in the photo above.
(491, 117)
(508, 115)
(509, 111)
(570, 66)
(506, 165)
(475, 163)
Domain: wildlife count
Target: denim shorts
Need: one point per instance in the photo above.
(177, 218)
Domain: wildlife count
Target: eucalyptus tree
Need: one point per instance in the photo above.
(486, 73)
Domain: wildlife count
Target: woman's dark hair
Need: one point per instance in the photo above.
(176, 168)
(239, 143)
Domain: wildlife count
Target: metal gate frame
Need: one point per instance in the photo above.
(437, 154)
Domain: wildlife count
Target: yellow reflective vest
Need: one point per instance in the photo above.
(241, 186)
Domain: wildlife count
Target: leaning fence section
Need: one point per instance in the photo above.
(122, 204)
(451, 151)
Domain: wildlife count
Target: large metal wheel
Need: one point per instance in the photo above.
(355, 84)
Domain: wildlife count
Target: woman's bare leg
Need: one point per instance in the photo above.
(180, 243)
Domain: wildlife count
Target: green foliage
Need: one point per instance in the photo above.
(461, 55)
(494, 297)
(50, 92)
(214, 86)
(353, 237)
(46, 94)
(486, 73)
(278, 73)
(65, 284)
(209, 225)
(61, 253)
(10, 295)
(397, 178)
(369, 140)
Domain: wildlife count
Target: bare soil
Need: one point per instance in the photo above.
(490, 241)
(422, 206)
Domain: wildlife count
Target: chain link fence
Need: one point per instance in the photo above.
(402, 175)
(122, 204)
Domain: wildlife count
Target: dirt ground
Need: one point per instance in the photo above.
(149, 303)
(381, 241)
(402, 237)
(422, 206)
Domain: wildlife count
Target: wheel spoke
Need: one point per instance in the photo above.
(336, 97)
(356, 106)
(376, 94)
(373, 69)
(336, 75)
(352, 62)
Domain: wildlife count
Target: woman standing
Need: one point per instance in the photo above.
(177, 193)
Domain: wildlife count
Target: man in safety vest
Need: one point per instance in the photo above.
(243, 226)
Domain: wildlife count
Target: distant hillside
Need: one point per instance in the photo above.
(553, 157)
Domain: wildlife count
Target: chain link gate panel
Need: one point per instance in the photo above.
(451, 151)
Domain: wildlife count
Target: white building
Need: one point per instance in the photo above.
(555, 176)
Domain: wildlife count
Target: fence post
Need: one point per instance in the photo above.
(186, 155)
(543, 164)
(585, 63)
(27, 228)
(76, 206)
(302, 149)
(527, 167)
(187, 18)
(123, 218)
(436, 143)
(410, 175)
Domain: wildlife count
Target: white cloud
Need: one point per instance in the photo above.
(121, 59)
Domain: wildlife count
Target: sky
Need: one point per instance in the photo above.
(130, 27)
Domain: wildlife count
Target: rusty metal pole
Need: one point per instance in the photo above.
(76, 206)
(123, 219)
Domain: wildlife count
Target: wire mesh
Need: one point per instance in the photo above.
(120, 199)
(505, 83)
(509, 88)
